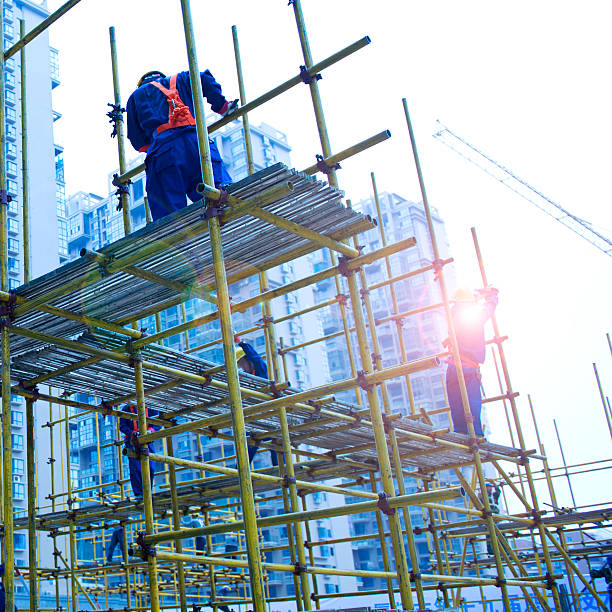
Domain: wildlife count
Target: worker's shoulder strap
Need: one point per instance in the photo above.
(167, 92)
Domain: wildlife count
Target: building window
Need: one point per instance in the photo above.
(13, 245)
(9, 79)
(11, 168)
(11, 132)
(18, 493)
(54, 64)
(59, 168)
(18, 466)
(138, 190)
(13, 226)
(62, 237)
(20, 538)
(11, 115)
(11, 149)
(9, 30)
(60, 199)
(12, 186)
(13, 265)
(13, 283)
(17, 441)
(12, 207)
(86, 432)
(10, 97)
(17, 418)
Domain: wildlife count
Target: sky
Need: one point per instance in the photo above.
(528, 83)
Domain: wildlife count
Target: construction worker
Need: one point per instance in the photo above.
(604, 572)
(249, 360)
(160, 122)
(2, 592)
(129, 428)
(115, 541)
(200, 541)
(470, 312)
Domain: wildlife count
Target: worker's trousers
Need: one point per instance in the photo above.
(136, 472)
(116, 540)
(174, 171)
(472, 385)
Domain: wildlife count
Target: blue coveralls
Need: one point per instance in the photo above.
(126, 426)
(258, 368)
(116, 540)
(2, 591)
(172, 162)
(471, 343)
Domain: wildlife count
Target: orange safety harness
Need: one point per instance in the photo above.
(179, 114)
(135, 422)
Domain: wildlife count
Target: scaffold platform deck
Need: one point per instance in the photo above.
(171, 259)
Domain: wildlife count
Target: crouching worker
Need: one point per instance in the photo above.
(129, 427)
(470, 312)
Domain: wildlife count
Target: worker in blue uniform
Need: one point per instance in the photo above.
(160, 122)
(249, 360)
(128, 428)
(606, 573)
(2, 591)
(470, 312)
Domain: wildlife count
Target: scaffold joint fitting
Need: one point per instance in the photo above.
(299, 569)
(383, 504)
(437, 265)
(324, 167)
(307, 79)
(115, 116)
(387, 423)
(146, 549)
(307, 544)
(274, 390)
(499, 582)
(216, 208)
(207, 378)
(123, 188)
(343, 266)
(288, 481)
(362, 381)
(415, 575)
(7, 310)
(105, 408)
(342, 299)
(550, 581)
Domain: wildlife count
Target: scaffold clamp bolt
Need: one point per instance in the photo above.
(306, 78)
(145, 549)
(299, 569)
(343, 267)
(288, 481)
(324, 167)
(115, 115)
(362, 381)
(123, 188)
(383, 504)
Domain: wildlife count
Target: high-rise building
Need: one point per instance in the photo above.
(46, 191)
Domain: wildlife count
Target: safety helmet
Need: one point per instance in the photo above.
(240, 353)
(150, 76)
(463, 295)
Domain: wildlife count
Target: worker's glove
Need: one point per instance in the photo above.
(229, 108)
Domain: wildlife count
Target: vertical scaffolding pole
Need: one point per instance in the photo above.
(146, 485)
(125, 199)
(603, 399)
(31, 465)
(176, 523)
(457, 359)
(25, 180)
(7, 453)
(70, 501)
(223, 304)
(521, 440)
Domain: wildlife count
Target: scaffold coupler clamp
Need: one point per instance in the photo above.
(387, 423)
(437, 265)
(105, 408)
(196, 608)
(32, 390)
(115, 116)
(362, 381)
(298, 569)
(140, 450)
(208, 378)
(146, 549)
(123, 188)
(307, 79)
(274, 390)
(383, 504)
(342, 298)
(7, 310)
(500, 581)
(287, 481)
(324, 167)
(135, 356)
(551, 583)
(5, 197)
(344, 268)
(216, 208)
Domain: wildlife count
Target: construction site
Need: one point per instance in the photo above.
(202, 542)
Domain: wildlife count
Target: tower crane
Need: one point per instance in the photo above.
(579, 226)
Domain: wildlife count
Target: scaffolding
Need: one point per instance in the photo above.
(76, 330)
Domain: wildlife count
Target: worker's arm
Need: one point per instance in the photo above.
(212, 92)
(136, 135)
(126, 427)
